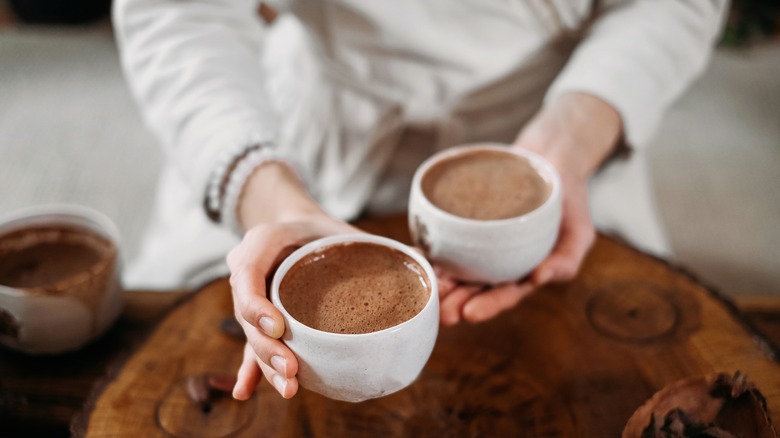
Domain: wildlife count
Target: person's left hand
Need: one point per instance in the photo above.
(575, 132)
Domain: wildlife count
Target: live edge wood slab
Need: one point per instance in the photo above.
(571, 360)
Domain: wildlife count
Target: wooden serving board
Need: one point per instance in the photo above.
(572, 360)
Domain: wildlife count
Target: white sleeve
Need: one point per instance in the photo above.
(194, 68)
(639, 55)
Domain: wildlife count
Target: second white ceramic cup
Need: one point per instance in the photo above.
(357, 367)
(55, 323)
(486, 251)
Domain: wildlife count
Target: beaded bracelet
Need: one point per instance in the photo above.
(227, 181)
(236, 182)
(213, 202)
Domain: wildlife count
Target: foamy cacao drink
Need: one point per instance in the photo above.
(354, 288)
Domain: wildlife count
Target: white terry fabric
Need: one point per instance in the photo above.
(192, 68)
(358, 93)
(640, 55)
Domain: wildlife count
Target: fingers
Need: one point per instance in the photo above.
(286, 387)
(446, 283)
(576, 237)
(273, 353)
(250, 264)
(251, 304)
(248, 376)
(451, 306)
(488, 304)
(250, 372)
(252, 261)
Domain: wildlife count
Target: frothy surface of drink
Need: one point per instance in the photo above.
(354, 288)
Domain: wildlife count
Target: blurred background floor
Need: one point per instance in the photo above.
(69, 132)
(716, 168)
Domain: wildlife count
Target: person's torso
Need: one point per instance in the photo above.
(436, 55)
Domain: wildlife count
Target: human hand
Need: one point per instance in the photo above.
(575, 132)
(279, 221)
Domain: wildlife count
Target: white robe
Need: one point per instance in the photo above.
(357, 93)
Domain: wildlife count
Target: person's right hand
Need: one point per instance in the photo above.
(280, 217)
(575, 132)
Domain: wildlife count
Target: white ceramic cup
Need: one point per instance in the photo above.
(48, 323)
(357, 367)
(486, 251)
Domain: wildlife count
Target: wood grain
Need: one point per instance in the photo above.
(41, 395)
(572, 360)
(763, 313)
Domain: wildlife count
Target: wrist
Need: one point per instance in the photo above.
(576, 131)
(273, 193)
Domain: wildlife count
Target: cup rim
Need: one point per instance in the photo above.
(49, 212)
(541, 164)
(73, 210)
(324, 242)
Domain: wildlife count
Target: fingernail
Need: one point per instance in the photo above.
(279, 364)
(267, 324)
(280, 383)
